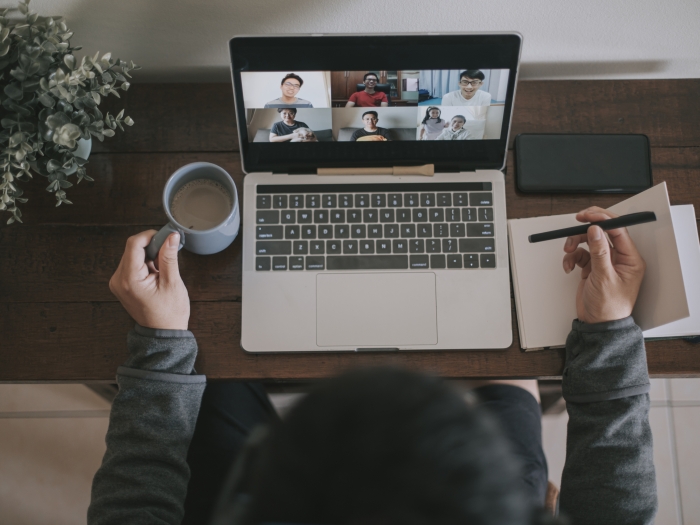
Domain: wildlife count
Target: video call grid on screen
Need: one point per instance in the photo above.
(374, 106)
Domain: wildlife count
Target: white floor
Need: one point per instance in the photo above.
(52, 442)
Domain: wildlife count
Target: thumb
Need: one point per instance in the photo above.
(167, 259)
(598, 246)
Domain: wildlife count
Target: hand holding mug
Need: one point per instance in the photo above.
(611, 275)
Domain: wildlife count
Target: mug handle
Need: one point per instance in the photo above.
(159, 238)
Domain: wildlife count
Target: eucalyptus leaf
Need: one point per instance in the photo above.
(13, 91)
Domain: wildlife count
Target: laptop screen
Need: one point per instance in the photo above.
(369, 101)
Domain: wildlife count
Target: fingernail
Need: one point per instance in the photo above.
(174, 240)
(595, 233)
(568, 242)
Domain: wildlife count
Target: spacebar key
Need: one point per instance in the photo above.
(367, 262)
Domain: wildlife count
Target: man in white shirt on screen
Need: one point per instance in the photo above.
(468, 93)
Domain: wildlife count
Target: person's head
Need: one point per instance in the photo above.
(432, 112)
(383, 446)
(291, 84)
(287, 114)
(470, 81)
(370, 80)
(370, 119)
(457, 122)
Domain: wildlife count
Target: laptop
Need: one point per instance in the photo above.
(374, 210)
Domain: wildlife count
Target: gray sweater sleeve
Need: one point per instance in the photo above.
(609, 472)
(144, 473)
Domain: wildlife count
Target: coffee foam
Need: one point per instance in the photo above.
(201, 204)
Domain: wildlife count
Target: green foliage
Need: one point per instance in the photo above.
(48, 101)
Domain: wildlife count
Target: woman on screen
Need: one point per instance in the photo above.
(283, 130)
(432, 125)
(456, 131)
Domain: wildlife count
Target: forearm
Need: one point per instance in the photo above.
(609, 473)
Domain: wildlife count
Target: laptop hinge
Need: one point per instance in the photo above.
(427, 170)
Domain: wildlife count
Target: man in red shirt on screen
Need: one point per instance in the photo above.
(369, 98)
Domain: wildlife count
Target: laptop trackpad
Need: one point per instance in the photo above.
(376, 309)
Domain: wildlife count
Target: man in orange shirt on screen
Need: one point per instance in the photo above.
(369, 98)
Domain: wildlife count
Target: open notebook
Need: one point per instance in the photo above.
(545, 295)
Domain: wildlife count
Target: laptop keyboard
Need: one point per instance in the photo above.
(374, 227)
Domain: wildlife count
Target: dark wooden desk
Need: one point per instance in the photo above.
(60, 322)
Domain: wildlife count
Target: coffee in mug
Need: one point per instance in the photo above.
(201, 204)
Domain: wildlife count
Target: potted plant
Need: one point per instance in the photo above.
(49, 105)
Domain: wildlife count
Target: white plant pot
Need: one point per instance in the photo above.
(83, 151)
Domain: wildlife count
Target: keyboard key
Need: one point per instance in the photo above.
(273, 248)
(419, 262)
(437, 261)
(488, 260)
(368, 262)
(432, 246)
(349, 246)
(289, 217)
(420, 215)
(320, 216)
(317, 247)
(262, 264)
(262, 202)
(424, 230)
(477, 245)
(437, 215)
(386, 216)
(449, 245)
(471, 260)
(391, 231)
(379, 200)
(454, 261)
(342, 231)
(354, 216)
(329, 201)
(444, 199)
(468, 214)
(457, 229)
(383, 246)
(366, 246)
(267, 217)
(301, 247)
(313, 201)
(279, 201)
(408, 230)
(325, 232)
(304, 216)
(362, 200)
(481, 199)
(402, 215)
(358, 231)
(370, 216)
(279, 263)
(441, 229)
(268, 232)
(296, 201)
(461, 199)
(416, 246)
(345, 201)
(482, 229)
(296, 263)
(400, 246)
(374, 231)
(337, 216)
(486, 214)
(333, 247)
(292, 232)
(453, 215)
(315, 263)
(395, 200)
(410, 199)
(427, 199)
(308, 232)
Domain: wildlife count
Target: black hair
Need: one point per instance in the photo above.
(368, 74)
(292, 75)
(385, 446)
(459, 116)
(427, 114)
(472, 73)
(376, 115)
(293, 110)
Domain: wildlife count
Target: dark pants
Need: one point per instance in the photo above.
(231, 410)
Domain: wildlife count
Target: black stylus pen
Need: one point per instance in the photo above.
(610, 224)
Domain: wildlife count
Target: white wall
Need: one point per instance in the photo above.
(316, 119)
(262, 87)
(187, 40)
